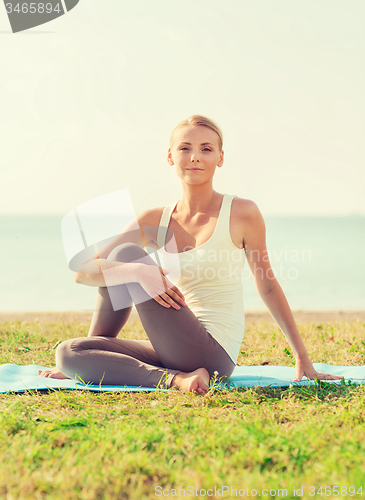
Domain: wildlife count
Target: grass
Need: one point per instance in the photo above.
(81, 445)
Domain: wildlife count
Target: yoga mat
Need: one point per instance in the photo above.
(16, 378)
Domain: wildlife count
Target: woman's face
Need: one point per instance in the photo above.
(195, 154)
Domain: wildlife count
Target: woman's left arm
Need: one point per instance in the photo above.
(270, 291)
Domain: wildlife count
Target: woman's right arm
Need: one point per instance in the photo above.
(151, 278)
(142, 231)
(92, 273)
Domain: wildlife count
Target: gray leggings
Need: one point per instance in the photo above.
(178, 341)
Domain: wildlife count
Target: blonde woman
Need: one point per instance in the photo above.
(195, 327)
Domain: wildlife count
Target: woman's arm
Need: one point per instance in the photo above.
(270, 291)
(151, 278)
(143, 232)
(92, 273)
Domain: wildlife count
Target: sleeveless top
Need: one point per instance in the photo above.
(210, 278)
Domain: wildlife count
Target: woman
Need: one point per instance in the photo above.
(188, 341)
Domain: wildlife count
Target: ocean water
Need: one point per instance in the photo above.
(319, 262)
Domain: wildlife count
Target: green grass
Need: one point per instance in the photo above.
(81, 445)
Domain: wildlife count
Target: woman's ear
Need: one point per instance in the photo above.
(221, 159)
(169, 157)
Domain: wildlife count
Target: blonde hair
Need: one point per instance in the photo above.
(198, 120)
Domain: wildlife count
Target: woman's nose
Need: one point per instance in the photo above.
(195, 157)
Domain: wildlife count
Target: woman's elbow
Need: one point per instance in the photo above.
(266, 286)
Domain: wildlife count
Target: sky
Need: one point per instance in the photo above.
(88, 102)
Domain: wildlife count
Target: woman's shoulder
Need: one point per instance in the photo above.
(243, 209)
(246, 220)
(151, 216)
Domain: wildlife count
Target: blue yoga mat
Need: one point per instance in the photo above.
(16, 378)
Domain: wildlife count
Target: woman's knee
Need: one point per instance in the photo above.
(127, 252)
(65, 356)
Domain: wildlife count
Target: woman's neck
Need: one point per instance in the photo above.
(197, 200)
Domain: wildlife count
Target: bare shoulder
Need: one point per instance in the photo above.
(150, 217)
(248, 223)
(244, 210)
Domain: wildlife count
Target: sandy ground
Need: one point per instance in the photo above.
(300, 316)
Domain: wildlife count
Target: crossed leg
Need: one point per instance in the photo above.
(180, 351)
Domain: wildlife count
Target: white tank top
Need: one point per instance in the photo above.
(210, 278)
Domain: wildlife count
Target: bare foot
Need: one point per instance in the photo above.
(52, 373)
(196, 381)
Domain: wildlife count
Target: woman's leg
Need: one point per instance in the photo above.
(177, 336)
(107, 322)
(179, 342)
(110, 361)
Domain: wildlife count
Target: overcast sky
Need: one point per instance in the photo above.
(88, 102)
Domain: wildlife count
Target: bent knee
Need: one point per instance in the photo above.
(65, 357)
(127, 252)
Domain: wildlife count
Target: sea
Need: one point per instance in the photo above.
(319, 262)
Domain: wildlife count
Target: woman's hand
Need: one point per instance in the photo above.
(305, 368)
(154, 282)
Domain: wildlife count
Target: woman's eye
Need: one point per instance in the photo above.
(187, 149)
